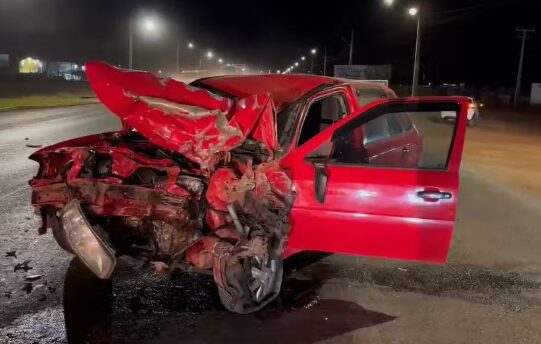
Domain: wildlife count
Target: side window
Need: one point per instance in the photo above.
(321, 114)
(414, 139)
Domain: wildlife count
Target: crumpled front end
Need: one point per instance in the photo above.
(190, 182)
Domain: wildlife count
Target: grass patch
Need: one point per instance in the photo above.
(44, 101)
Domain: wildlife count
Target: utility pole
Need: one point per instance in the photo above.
(416, 63)
(325, 61)
(178, 56)
(130, 54)
(351, 49)
(522, 34)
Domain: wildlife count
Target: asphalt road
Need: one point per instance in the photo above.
(489, 292)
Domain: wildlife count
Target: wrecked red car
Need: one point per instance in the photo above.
(234, 174)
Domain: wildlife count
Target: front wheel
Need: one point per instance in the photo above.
(87, 305)
(249, 284)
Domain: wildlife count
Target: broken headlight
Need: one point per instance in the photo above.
(95, 253)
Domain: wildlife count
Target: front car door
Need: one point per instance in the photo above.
(348, 203)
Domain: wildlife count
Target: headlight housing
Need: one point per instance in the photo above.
(95, 253)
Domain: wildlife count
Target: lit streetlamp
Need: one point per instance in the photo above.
(414, 11)
(313, 53)
(148, 24)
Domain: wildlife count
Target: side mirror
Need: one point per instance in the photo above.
(321, 176)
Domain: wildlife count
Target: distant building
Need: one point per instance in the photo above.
(30, 65)
(65, 70)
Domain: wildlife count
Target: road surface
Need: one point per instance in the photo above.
(489, 292)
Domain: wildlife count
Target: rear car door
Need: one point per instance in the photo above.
(402, 208)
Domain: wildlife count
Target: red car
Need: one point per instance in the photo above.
(236, 173)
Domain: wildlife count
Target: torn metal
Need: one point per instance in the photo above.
(190, 179)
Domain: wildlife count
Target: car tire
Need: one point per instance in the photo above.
(87, 302)
(250, 284)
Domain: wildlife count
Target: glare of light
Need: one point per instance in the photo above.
(278, 71)
(296, 64)
(413, 11)
(313, 51)
(388, 3)
(303, 58)
(190, 45)
(243, 69)
(220, 61)
(75, 65)
(159, 71)
(210, 54)
(228, 65)
(83, 68)
(149, 24)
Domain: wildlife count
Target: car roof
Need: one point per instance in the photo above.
(284, 88)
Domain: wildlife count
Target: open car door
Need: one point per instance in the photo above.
(380, 183)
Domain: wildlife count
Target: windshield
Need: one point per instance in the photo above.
(287, 120)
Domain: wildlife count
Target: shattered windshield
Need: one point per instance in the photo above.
(287, 122)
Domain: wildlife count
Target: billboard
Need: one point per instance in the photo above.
(4, 60)
(363, 72)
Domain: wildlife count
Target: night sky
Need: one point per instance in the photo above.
(463, 41)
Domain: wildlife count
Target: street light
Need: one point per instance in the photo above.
(210, 55)
(313, 52)
(296, 64)
(388, 3)
(190, 45)
(414, 11)
(220, 61)
(149, 24)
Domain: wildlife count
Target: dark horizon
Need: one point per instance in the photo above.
(463, 40)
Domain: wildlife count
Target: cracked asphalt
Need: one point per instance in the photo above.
(488, 293)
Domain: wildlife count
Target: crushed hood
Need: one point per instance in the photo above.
(190, 121)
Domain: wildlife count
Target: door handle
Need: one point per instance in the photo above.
(434, 195)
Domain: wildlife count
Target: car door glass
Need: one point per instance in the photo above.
(321, 114)
(401, 140)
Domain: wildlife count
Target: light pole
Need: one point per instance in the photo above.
(414, 11)
(303, 58)
(313, 53)
(149, 25)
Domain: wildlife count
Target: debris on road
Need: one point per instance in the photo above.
(32, 278)
(52, 290)
(7, 294)
(33, 145)
(11, 254)
(23, 266)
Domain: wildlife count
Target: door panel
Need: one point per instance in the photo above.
(382, 209)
